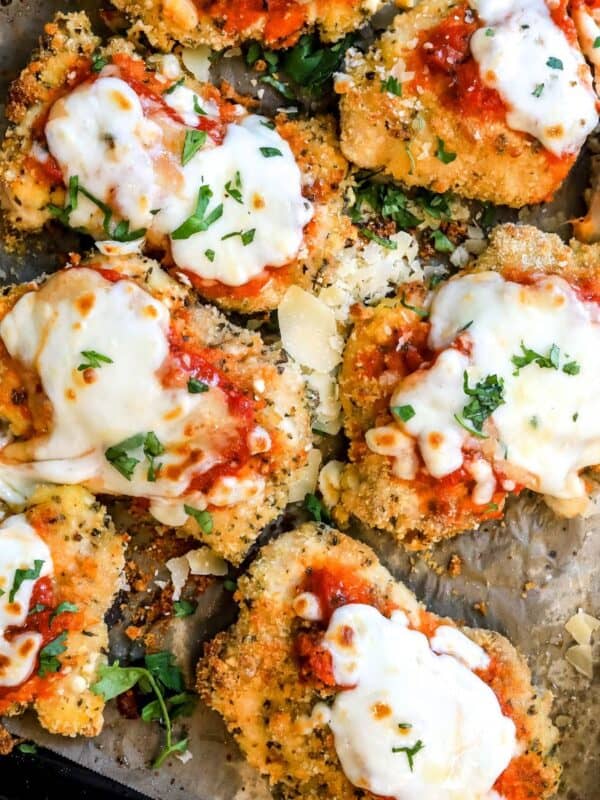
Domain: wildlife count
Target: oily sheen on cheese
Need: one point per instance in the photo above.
(403, 692)
(133, 162)
(20, 548)
(49, 330)
(540, 75)
(547, 429)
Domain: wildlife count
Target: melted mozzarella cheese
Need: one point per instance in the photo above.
(395, 679)
(20, 548)
(271, 215)
(99, 133)
(133, 164)
(542, 78)
(548, 428)
(48, 330)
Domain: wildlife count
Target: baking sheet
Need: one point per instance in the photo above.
(530, 572)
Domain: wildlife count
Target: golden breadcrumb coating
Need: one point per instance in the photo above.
(423, 139)
(223, 23)
(426, 510)
(88, 558)
(250, 674)
(30, 181)
(241, 357)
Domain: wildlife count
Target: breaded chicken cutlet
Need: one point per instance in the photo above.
(457, 397)
(490, 101)
(337, 683)
(112, 376)
(60, 567)
(142, 156)
(223, 23)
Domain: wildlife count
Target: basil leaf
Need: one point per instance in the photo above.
(199, 222)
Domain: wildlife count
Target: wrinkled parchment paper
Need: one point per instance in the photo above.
(530, 573)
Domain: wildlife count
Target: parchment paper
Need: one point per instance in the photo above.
(530, 572)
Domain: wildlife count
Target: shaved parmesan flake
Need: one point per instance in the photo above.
(581, 626)
(309, 331)
(205, 561)
(306, 481)
(330, 484)
(179, 569)
(580, 657)
(197, 61)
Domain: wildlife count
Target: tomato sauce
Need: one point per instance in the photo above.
(215, 290)
(282, 21)
(41, 622)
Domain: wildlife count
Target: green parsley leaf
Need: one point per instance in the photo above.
(469, 429)
(198, 108)
(404, 726)
(115, 680)
(537, 92)
(270, 152)
(178, 705)
(403, 412)
(210, 254)
(64, 608)
(384, 200)
(29, 748)
(152, 449)
(445, 156)
(571, 368)
(278, 85)
(121, 232)
(98, 62)
(178, 747)
(174, 86)
(441, 242)
(315, 507)
(554, 63)
(93, 360)
(534, 422)
(551, 361)
(63, 214)
(118, 455)
(231, 586)
(48, 660)
(162, 666)
(22, 575)
(490, 32)
(183, 608)
(253, 54)
(411, 752)
(380, 240)
(194, 386)
(575, 416)
(392, 86)
(268, 124)
(199, 221)
(203, 518)
(596, 42)
(313, 65)
(194, 141)
(247, 237)
(485, 396)
(234, 188)
(37, 609)
(420, 312)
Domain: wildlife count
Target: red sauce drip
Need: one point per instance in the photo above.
(47, 172)
(215, 290)
(186, 361)
(337, 585)
(443, 62)
(283, 20)
(49, 629)
(523, 779)
(559, 11)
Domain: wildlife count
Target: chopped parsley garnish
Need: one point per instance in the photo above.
(551, 361)
(534, 422)
(194, 386)
(233, 188)
(210, 254)
(420, 312)
(270, 152)
(121, 232)
(63, 214)
(203, 518)
(403, 412)
(93, 360)
(268, 124)
(392, 85)
(183, 608)
(445, 156)
(315, 508)
(575, 416)
(231, 586)
(37, 609)
(48, 660)
(194, 141)
(312, 65)
(247, 237)
(411, 752)
(199, 221)
(466, 326)
(158, 676)
(29, 748)
(537, 92)
(152, 449)
(485, 396)
(22, 575)
(119, 454)
(596, 42)
(380, 240)
(468, 428)
(278, 85)
(404, 726)
(98, 62)
(198, 108)
(174, 86)
(490, 32)
(383, 199)
(554, 63)
(441, 242)
(64, 608)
